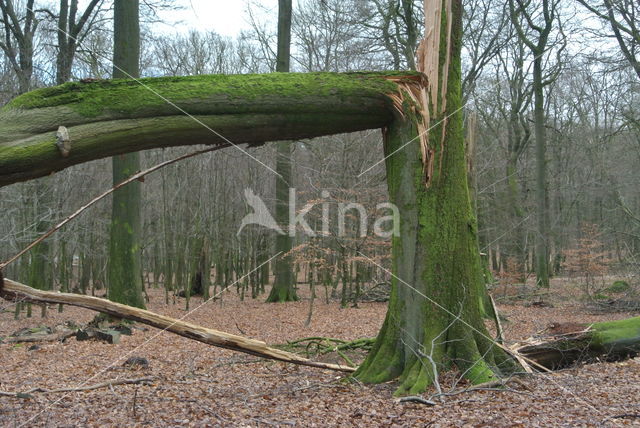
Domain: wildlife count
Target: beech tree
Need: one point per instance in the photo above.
(435, 312)
(71, 31)
(283, 289)
(621, 16)
(541, 22)
(125, 272)
(17, 43)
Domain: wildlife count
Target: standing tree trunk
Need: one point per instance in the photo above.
(538, 46)
(435, 309)
(542, 198)
(19, 32)
(125, 274)
(283, 286)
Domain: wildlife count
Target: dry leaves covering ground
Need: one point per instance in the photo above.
(197, 385)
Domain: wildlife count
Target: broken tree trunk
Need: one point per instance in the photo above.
(568, 344)
(13, 291)
(50, 129)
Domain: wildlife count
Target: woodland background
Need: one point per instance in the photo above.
(192, 210)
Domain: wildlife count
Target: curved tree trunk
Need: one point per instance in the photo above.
(106, 118)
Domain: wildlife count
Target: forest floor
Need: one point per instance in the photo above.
(198, 385)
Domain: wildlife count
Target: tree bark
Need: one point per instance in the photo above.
(15, 291)
(125, 258)
(542, 198)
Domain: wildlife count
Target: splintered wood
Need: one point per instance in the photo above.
(428, 96)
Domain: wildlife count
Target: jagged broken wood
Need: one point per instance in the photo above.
(15, 291)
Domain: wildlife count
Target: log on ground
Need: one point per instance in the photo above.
(15, 291)
(568, 344)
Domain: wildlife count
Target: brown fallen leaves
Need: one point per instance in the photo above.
(196, 385)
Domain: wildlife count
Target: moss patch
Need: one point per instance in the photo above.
(127, 96)
(618, 287)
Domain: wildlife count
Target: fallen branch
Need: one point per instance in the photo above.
(114, 382)
(326, 345)
(496, 318)
(13, 291)
(495, 385)
(38, 338)
(416, 399)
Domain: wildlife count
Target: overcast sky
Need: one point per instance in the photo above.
(226, 17)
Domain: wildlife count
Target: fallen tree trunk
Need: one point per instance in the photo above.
(14, 291)
(568, 344)
(110, 117)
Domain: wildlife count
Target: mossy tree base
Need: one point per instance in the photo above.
(282, 294)
(435, 316)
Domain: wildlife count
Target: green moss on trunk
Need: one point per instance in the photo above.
(434, 316)
(125, 252)
(129, 117)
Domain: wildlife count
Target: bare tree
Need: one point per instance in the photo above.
(623, 18)
(71, 31)
(17, 43)
(525, 14)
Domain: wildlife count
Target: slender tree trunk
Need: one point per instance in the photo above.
(517, 247)
(125, 271)
(283, 286)
(542, 201)
(63, 65)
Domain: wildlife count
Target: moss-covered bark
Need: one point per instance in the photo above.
(435, 315)
(106, 118)
(283, 289)
(124, 266)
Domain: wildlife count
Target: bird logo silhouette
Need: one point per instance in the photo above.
(260, 215)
